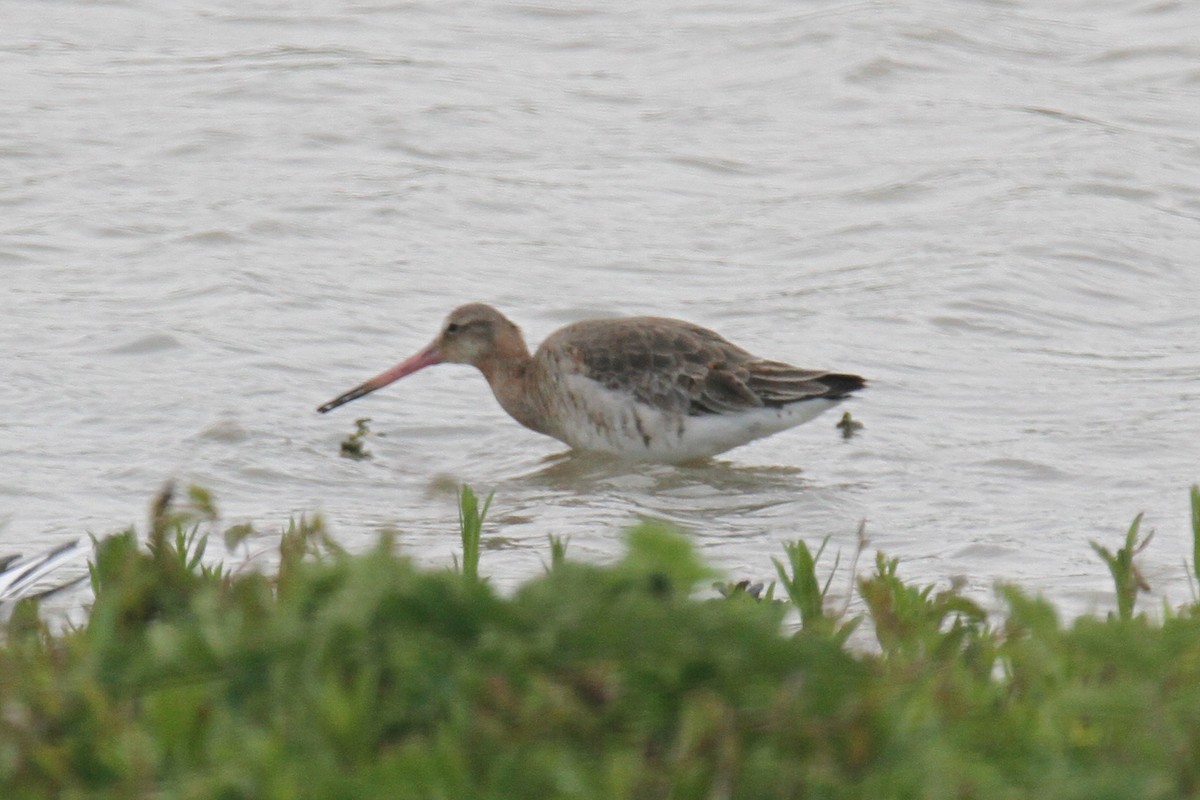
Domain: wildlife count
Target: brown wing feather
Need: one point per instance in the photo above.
(779, 384)
(683, 368)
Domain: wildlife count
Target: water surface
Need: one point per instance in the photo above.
(219, 215)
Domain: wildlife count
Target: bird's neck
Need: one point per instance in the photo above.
(510, 376)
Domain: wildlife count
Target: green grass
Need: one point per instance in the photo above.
(362, 676)
(1196, 531)
(1126, 576)
(470, 524)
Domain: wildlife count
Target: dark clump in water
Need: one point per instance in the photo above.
(849, 426)
(353, 445)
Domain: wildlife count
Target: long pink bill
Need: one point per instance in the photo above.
(427, 357)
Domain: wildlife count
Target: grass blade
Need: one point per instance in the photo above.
(470, 521)
(1196, 530)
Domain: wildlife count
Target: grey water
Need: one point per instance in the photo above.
(215, 216)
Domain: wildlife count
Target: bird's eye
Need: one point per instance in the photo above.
(452, 327)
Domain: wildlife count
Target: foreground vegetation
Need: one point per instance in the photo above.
(362, 676)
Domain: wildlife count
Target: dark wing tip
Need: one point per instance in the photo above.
(841, 384)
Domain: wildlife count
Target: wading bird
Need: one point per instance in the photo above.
(642, 388)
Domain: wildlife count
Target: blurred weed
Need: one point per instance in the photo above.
(806, 592)
(363, 676)
(558, 552)
(470, 522)
(1126, 575)
(1195, 496)
(916, 622)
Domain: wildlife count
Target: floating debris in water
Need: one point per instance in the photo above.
(849, 425)
(353, 445)
(499, 543)
(745, 588)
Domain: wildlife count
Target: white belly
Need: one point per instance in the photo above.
(614, 422)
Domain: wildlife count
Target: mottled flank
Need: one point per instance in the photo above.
(639, 387)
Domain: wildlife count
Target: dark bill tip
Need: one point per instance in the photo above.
(341, 400)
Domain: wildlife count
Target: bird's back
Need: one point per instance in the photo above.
(685, 368)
